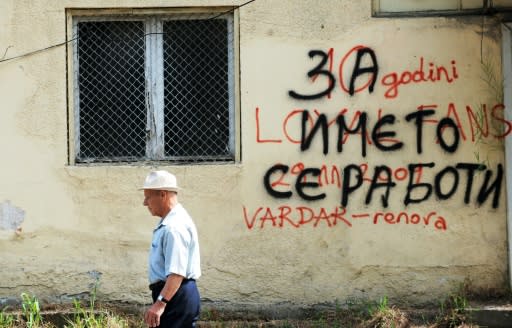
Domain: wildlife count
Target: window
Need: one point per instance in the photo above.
(154, 88)
(437, 7)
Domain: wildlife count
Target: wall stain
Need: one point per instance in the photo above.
(11, 216)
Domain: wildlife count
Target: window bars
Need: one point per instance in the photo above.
(154, 88)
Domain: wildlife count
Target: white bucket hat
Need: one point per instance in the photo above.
(161, 180)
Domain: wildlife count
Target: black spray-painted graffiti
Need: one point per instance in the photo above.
(383, 135)
(356, 72)
(353, 180)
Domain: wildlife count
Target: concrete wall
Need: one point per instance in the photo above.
(64, 226)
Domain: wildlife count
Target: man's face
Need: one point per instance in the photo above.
(155, 201)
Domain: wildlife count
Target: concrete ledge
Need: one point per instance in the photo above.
(492, 316)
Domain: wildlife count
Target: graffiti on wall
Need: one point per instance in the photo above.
(283, 216)
(358, 72)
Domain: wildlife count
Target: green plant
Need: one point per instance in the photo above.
(31, 310)
(6, 320)
(91, 317)
(384, 316)
(321, 323)
(495, 86)
(285, 324)
(490, 78)
(453, 311)
(210, 314)
(380, 306)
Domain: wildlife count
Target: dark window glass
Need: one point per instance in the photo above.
(111, 90)
(196, 88)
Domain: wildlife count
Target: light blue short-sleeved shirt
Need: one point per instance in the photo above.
(175, 247)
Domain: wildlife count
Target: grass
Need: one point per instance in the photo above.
(363, 314)
(381, 315)
(91, 316)
(6, 320)
(451, 313)
(31, 311)
(454, 312)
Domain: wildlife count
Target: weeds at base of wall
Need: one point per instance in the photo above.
(92, 316)
(452, 312)
(378, 314)
(79, 317)
(359, 314)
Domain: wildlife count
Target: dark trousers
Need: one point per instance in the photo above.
(183, 309)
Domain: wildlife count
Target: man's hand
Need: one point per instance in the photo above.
(152, 315)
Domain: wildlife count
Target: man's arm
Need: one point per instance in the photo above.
(172, 284)
(152, 316)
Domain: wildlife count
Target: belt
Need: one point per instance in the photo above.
(160, 284)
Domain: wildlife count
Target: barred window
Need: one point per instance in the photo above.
(154, 88)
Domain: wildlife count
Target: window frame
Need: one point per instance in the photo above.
(377, 12)
(153, 146)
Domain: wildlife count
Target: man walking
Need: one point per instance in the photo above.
(174, 261)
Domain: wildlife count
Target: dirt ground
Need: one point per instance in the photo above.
(449, 313)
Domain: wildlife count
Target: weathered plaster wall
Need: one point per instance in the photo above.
(83, 223)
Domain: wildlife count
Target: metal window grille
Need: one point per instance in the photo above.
(155, 88)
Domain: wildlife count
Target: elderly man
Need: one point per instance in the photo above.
(174, 262)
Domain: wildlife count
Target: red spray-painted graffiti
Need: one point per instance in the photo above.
(301, 216)
(479, 123)
(331, 175)
(390, 81)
